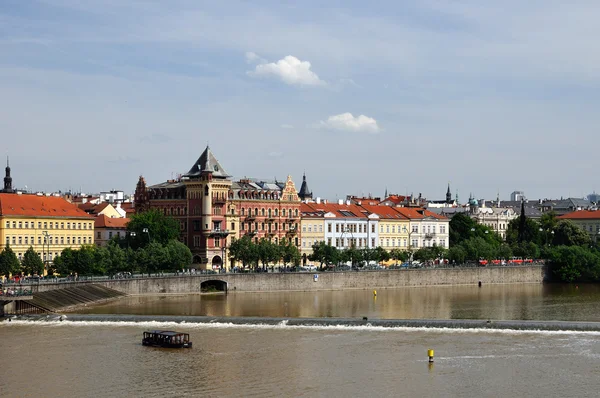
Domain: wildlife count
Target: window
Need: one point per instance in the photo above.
(20, 241)
(196, 225)
(233, 226)
(62, 240)
(78, 239)
(337, 227)
(196, 241)
(217, 242)
(387, 229)
(69, 240)
(304, 228)
(262, 212)
(310, 228)
(373, 228)
(110, 234)
(372, 242)
(26, 240)
(283, 212)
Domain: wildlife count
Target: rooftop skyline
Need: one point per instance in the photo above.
(491, 97)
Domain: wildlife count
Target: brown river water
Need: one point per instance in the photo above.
(106, 358)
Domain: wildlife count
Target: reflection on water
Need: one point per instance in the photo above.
(501, 302)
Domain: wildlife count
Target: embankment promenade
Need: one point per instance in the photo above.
(306, 281)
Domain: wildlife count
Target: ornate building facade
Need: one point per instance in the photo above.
(213, 210)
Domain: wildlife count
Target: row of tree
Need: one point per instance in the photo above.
(264, 252)
(31, 264)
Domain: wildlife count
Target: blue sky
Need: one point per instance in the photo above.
(362, 96)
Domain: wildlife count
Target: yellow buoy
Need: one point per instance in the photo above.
(374, 292)
(430, 355)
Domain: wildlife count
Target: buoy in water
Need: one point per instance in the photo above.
(430, 355)
(479, 283)
(375, 293)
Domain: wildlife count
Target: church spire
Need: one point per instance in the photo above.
(7, 179)
(304, 193)
(448, 195)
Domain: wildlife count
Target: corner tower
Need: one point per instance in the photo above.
(304, 193)
(207, 190)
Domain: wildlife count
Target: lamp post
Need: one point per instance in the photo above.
(146, 231)
(44, 253)
(129, 235)
(409, 232)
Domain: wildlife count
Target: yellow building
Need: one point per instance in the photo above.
(312, 230)
(393, 227)
(49, 224)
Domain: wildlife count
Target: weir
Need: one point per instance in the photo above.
(199, 321)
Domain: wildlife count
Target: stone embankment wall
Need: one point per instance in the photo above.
(326, 280)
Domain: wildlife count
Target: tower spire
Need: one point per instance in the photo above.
(7, 179)
(448, 194)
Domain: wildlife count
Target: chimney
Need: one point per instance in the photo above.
(318, 201)
(348, 203)
(340, 201)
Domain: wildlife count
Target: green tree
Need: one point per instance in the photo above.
(319, 252)
(117, 258)
(460, 228)
(268, 252)
(457, 254)
(160, 228)
(65, 262)
(569, 234)
(180, 255)
(289, 252)
(244, 251)
(32, 263)
(519, 231)
(9, 263)
(399, 255)
(574, 263)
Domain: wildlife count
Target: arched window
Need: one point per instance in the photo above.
(283, 212)
(242, 212)
(256, 211)
(262, 212)
(206, 190)
(276, 212)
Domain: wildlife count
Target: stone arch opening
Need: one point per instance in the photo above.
(197, 259)
(213, 285)
(217, 262)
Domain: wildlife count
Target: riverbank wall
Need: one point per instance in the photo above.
(261, 282)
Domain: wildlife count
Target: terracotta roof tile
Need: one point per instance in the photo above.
(38, 206)
(581, 215)
(102, 221)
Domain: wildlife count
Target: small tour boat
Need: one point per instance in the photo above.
(166, 339)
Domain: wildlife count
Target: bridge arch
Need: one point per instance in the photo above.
(213, 285)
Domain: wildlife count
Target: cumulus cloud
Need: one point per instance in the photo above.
(290, 70)
(347, 122)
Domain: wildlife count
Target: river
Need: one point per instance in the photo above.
(98, 359)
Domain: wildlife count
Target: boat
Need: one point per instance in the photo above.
(166, 339)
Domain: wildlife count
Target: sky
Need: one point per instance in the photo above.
(407, 96)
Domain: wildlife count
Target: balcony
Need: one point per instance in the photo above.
(429, 235)
(291, 231)
(219, 233)
(250, 217)
(219, 201)
(269, 218)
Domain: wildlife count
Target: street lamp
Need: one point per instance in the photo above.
(146, 231)
(409, 232)
(44, 253)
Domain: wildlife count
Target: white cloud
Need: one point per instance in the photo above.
(286, 126)
(347, 122)
(290, 70)
(254, 58)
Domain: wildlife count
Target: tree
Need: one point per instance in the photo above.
(519, 231)
(32, 263)
(460, 228)
(267, 252)
(160, 228)
(569, 234)
(380, 254)
(399, 255)
(180, 255)
(289, 252)
(574, 263)
(9, 263)
(319, 252)
(243, 250)
(457, 254)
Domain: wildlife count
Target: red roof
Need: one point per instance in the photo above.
(340, 211)
(396, 199)
(27, 205)
(385, 212)
(102, 221)
(581, 215)
(417, 213)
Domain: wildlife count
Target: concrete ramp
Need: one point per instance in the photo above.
(56, 300)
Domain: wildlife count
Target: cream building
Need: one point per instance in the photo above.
(497, 218)
(312, 227)
(393, 226)
(49, 224)
(426, 229)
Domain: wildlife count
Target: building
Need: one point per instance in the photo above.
(212, 210)
(312, 225)
(497, 218)
(588, 220)
(564, 206)
(427, 228)
(269, 210)
(393, 226)
(101, 209)
(345, 224)
(49, 224)
(106, 228)
(517, 196)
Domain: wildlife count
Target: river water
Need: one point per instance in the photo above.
(98, 359)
